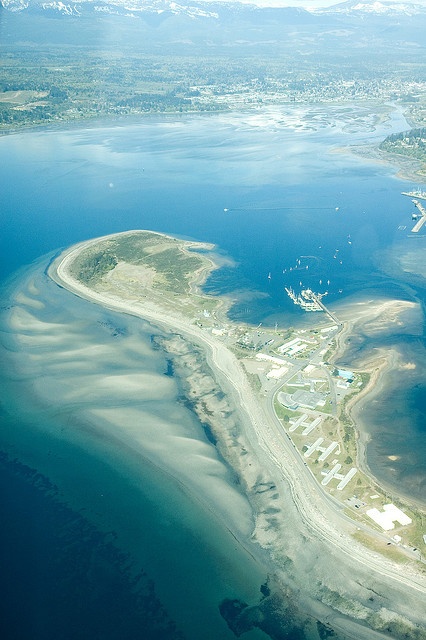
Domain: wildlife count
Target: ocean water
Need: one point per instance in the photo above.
(279, 198)
(129, 492)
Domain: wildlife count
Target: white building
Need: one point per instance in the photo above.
(387, 518)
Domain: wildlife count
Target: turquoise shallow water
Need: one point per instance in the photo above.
(288, 197)
(64, 361)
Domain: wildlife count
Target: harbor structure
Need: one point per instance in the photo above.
(307, 299)
(310, 301)
(421, 216)
(416, 193)
(421, 219)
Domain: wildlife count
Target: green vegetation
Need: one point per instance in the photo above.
(365, 378)
(254, 381)
(92, 264)
(283, 413)
(379, 546)
(97, 74)
(174, 268)
(170, 264)
(408, 143)
(70, 83)
(349, 434)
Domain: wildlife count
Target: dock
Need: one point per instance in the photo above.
(415, 194)
(420, 222)
(310, 301)
(420, 219)
(325, 309)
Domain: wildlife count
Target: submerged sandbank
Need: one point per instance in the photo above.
(102, 420)
(372, 340)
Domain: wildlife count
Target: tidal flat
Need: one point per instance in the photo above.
(384, 335)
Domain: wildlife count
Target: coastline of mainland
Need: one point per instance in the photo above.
(262, 459)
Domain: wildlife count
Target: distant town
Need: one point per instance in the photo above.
(198, 60)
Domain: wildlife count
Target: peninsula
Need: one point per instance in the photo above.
(280, 412)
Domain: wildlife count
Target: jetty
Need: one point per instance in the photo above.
(420, 220)
(310, 301)
(306, 299)
(420, 217)
(325, 309)
(415, 194)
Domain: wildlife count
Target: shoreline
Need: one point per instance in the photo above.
(377, 369)
(325, 526)
(406, 168)
(382, 363)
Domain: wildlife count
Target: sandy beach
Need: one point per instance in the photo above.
(407, 168)
(276, 481)
(369, 318)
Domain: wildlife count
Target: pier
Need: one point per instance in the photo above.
(325, 309)
(420, 222)
(305, 299)
(420, 219)
(310, 301)
(415, 194)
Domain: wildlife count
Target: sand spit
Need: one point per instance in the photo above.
(295, 524)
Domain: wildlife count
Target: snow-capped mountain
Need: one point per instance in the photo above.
(373, 8)
(357, 24)
(212, 10)
(156, 12)
(121, 7)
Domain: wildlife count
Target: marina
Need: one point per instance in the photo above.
(310, 301)
(306, 299)
(417, 193)
(419, 218)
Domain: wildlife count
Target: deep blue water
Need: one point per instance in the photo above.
(268, 197)
(179, 177)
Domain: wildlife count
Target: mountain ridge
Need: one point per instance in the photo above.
(212, 10)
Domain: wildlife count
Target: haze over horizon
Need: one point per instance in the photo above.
(317, 4)
(305, 4)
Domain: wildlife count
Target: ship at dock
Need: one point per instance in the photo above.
(306, 299)
(416, 193)
(420, 217)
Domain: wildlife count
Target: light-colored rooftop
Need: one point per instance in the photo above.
(387, 518)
